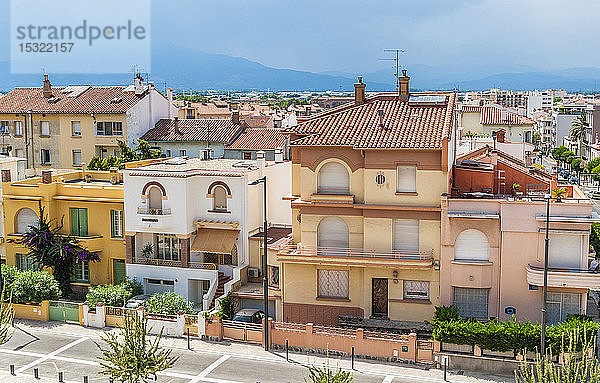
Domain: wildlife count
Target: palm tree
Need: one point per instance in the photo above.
(578, 130)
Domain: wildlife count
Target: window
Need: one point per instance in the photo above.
(76, 157)
(109, 128)
(81, 272)
(333, 284)
(4, 127)
(168, 152)
(405, 236)
(332, 232)
(26, 263)
(76, 128)
(168, 247)
(471, 245)
(562, 304)
(20, 153)
(565, 251)
(26, 218)
(116, 223)
(45, 155)
(471, 303)
(45, 128)
(333, 178)
(155, 199)
(79, 222)
(219, 198)
(274, 277)
(406, 179)
(247, 155)
(190, 113)
(416, 290)
(182, 153)
(18, 128)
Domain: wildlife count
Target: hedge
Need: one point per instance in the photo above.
(511, 335)
(168, 303)
(114, 295)
(29, 286)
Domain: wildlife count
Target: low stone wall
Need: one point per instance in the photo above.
(32, 311)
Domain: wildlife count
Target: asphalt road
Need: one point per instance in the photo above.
(73, 351)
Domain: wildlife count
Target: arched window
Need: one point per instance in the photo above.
(333, 179)
(219, 198)
(333, 232)
(155, 198)
(26, 218)
(471, 245)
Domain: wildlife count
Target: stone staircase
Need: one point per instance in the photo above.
(220, 287)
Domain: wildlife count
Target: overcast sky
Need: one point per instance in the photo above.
(350, 35)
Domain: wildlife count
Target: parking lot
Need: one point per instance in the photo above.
(73, 350)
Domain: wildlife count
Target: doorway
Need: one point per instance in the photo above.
(379, 297)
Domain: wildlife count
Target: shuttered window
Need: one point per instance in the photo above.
(332, 232)
(220, 199)
(405, 236)
(81, 272)
(333, 283)
(471, 245)
(565, 251)
(560, 305)
(333, 179)
(45, 128)
(471, 303)
(79, 222)
(26, 218)
(155, 197)
(116, 219)
(406, 179)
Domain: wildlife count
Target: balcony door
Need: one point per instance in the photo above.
(333, 233)
(379, 297)
(565, 251)
(155, 197)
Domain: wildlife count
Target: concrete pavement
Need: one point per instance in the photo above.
(52, 347)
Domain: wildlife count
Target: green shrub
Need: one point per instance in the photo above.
(446, 313)
(134, 286)
(34, 286)
(226, 310)
(324, 374)
(110, 295)
(9, 274)
(168, 303)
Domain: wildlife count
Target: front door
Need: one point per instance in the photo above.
(379, 297)
(118, 271)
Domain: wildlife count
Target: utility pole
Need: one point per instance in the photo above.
(396, 61)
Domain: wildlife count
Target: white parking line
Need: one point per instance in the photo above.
(50, 355)
(388, 379)
(202, 376)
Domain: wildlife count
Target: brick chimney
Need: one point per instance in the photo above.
(47, 90)
(6, 175)
(359, 91)
(176, 124)
(235, 116)
(403, 86)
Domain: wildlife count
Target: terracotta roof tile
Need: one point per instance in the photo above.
(259, 138)
(405, 124)
(200, 129)
(492, 115)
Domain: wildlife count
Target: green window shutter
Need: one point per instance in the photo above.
(112, 223)
(83, 223)
(74, 221)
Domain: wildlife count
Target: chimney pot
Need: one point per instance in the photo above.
(359, 91)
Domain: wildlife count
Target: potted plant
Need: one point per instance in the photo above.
(516, 188)
(559, 193)
(148, 250)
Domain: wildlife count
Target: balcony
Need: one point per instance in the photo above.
(151, 211)
(174, 263)
(349, 256)
(332, 198)
(573, 278)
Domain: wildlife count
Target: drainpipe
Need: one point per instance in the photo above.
(31, 140)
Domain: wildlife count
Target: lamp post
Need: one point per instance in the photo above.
(545, 288)
(263, 180)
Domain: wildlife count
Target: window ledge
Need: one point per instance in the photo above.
(418, 301)
(18, 135)
(474, 263)
(333, 299)
(82, 283)
(76, 136)
(44, 135)
(406, 193)
(219, 211)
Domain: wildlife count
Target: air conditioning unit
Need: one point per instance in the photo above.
(253, 272)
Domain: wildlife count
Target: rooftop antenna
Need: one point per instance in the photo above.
(397, 65)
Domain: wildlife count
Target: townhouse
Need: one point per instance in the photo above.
(188, 223)
(246, 146)
(367, 178)
(63, 127)
(13, 168)
(89, 204)
(492, 259)
(483, 120)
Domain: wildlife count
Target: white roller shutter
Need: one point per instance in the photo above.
(26, 218)
(471, 245)
(332, 232)
(406, 179)
(406, 235)
(333, 179)
(565, 251)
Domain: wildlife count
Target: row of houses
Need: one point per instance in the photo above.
(376, 215)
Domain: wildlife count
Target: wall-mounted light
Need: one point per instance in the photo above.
(395, 275)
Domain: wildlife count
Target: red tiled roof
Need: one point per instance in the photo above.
(93, 99)
(406, 124)
(259, 138)
(201, 129)
(492, 115)
(257, 121)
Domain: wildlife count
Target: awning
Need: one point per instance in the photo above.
(215, 240)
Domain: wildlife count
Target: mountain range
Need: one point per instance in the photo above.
(185, 68)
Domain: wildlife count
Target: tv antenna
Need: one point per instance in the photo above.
(396, 61)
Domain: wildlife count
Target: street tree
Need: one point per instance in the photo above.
(130, 355)
(7, 314)
(578, 130)
(325, 374)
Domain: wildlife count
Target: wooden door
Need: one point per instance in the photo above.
(379, 296)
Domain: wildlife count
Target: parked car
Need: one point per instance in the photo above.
(249, 316)
(137, 301)
(595, 195)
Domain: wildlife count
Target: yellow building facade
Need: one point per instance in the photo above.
(89, 204)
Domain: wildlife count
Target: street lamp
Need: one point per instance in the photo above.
(263, 180)
(545, 288)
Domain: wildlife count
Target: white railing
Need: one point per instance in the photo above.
(151, 211)
(318, 251)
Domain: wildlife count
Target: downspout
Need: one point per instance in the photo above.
(31, 139)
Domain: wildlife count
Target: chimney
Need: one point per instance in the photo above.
(235, 116)
(114, 175)
(176, 124)
(359, 92)
(138, 83)
(278, 155)
(260, 159)
(170, 98)
(46, 176)
(403, 86)
(380, 115)
(47, 90)
(6, 175)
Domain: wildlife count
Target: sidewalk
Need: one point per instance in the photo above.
(257, 353)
